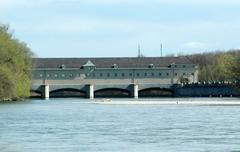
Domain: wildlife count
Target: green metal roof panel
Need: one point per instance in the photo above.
(121, 62)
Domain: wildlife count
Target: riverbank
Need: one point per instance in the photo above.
(179, 101)
(13, 100)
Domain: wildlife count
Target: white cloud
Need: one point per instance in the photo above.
(143, 2)
(71, 25)
(55, 16)
(205, 2)
(5, 4)
(8, 5)
(195, 45)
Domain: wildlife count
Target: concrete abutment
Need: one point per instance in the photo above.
(134, 91)
(90, 91)
(45, 91)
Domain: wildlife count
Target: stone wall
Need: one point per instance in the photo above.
(206, 90)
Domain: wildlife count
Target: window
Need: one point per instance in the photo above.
(153, 74)
(55, 75)
(114, 66)
(63, 75)
(175, 74)
(160, 74)
(100, 74)
(70, 75)
(108, 75)
(62, 66)
(184, 66)
(145, 74)
(41, 75)
(184, 73)
(151, 66)
(193, 74)
(138, 74)
(130, 74)
(123, 74)
(48, 75)
(115, 74)
(167, 74)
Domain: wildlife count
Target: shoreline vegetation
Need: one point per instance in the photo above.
(15, 67)
(218, 66)
(16, 64)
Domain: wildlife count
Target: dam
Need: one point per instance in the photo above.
(127, 76)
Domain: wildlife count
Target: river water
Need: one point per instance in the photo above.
(74, 125)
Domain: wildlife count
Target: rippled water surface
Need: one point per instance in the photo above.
(72, 125)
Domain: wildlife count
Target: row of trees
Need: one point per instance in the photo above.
(15, 66)
(218, 66)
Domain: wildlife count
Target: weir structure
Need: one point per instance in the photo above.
(96, 77)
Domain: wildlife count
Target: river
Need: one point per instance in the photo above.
(74, 125)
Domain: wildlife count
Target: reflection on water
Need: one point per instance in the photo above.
(70, 125)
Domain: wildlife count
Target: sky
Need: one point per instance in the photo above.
(114, 28)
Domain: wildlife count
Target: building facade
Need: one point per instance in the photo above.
(144, 71)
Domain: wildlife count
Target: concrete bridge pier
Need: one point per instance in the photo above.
(134, 91)
(90, 91)
(45, 91)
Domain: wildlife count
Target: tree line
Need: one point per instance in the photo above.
(218, 66)
(15, 66)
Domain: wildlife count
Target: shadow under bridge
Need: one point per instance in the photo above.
(67, 92)
(112, 93)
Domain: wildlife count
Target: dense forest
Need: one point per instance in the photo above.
(15, 66)
(218, 66)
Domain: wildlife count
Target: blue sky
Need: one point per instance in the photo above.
(97, 28)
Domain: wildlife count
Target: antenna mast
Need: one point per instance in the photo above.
(161, 47)
(139, 51)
